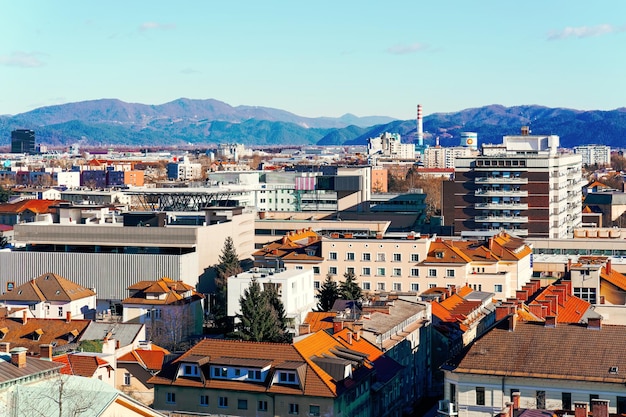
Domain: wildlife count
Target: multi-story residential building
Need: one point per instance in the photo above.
(594, 154)
(51, 296)
(27, 210)
(550, 366)
(320, 375)
(171, 310)
(135, 368)
(389, 145)
(184, 170)
(444, 157)
(293, 286)
(524, 186)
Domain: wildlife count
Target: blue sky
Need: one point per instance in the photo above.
(316, 58)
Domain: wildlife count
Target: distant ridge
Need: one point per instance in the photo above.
(108, 122)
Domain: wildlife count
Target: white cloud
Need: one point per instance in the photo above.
(21, 59)
(584, 31)
(407, 49)
(156, 26)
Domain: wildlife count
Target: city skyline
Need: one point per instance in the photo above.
(315, 59)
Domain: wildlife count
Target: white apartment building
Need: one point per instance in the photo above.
(390, 145)
(594, 154)
(444, 157)
(294, 286)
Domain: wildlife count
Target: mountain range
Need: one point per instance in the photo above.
(110, 122)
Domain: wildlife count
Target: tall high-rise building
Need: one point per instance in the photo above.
(594, 154)
(23, 141)
(524, 186)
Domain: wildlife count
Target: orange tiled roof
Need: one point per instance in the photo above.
(320, 320)
(58, 331)
(34, 205)
(174, 291)
(151, 359)
(48, 287)
(81, 365)
(614, 278)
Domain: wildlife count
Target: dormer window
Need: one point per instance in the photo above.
(220, 372)
(254, 374)
(287, 377)
(439, 254)
(191, 370)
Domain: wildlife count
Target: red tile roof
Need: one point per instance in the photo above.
(151, 359)
(81, 365)
(55, 331)
(34, 205)
(48, 287)
(174, 291)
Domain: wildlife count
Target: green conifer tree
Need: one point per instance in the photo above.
(228, 265)
(257, 320)
(327, 294)
(349, 289)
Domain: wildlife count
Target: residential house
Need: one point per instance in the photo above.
(171, 310)
(51, 296)
(298, 249)
(549, 365)
(317, 376)
(85, 364)
(135, 368)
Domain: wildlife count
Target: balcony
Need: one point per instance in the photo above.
(501, 206)
(500, 180)
(501, 193)
(516, 232)
(501, 219)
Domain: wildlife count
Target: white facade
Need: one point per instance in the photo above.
(295, 288)
(594, 154)
(390, 145)
(444, 157)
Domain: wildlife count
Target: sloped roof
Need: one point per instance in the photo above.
(151, 359)
(80, 364)
(614, 278)
(126, 333)
(293, 247)
(34, 366)
(532, 350)
(274, 353)
(174, 292)
(55, 331)
(320, 320)
(34, 205)
(48, 287)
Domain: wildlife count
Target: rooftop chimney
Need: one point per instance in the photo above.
(525, 131)
(512, 322)
(4, 347)
(608, 266)
(516, 397)
(550, 321)
(18, 356)
(337, 326)
(24, 317)
(349, 338)
(68, 316)
(594, 323)
(45, 352)
(600, 408)
(580, 409)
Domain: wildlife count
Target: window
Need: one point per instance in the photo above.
(397, 286)
(253, 374)
(541, 400)
(453, 393)
(314, 410)
(332, 270)
(126, 378)
(350, 256)
(242, 404)
(381, 286)
(332, 256)
(380, 257)
(366, 286)
(316, 269)
(415, 272)
(366, 271)
(450, 273)
(294, 408)
(480, 395)
(191, 370)
(222, 402)
(497, 288)
(566, 401)
(350, 270)
(621, 405)
(397, 257)
(204, 400)
(287, 377)
(60, 311)
(432, 285)
(415, 287)
(432, 272)
(367, 257)
(262, 406)
(587, 294)
(170, 398)
(316, 285)
(237, 372)
(415, 257)
(299, 267)
(380, 272)
(397, 272)
(220, 372)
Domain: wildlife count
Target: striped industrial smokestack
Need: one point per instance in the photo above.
(420, 126)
